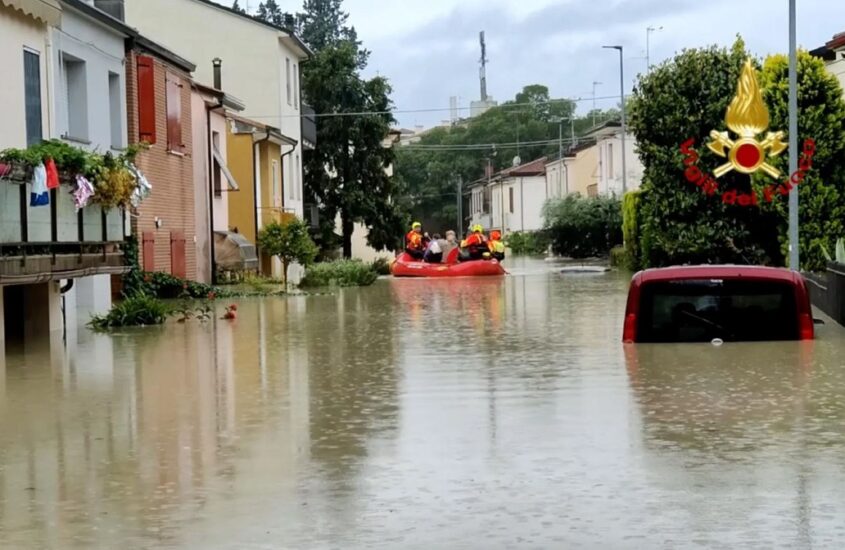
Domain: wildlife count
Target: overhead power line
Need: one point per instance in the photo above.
(431, 110)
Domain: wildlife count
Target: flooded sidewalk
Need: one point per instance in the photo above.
(463, 413)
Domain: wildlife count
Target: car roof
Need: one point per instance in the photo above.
(716, 272)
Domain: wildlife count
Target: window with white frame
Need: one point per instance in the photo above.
(76, 97)
(115, 113)
(295, 87)
(287, 79)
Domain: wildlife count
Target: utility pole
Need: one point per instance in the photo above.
(460, 208)
(622, 97)
(595, 83)
(794, 257)
(648, 32)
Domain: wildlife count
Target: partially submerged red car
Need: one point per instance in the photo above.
(733, 303)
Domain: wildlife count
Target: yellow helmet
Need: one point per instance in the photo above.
(416, 225)
(477, 228)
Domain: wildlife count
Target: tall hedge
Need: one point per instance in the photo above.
(686, 97)
(631, 221)
(583, 227)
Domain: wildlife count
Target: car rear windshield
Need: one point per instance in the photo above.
(701, 310)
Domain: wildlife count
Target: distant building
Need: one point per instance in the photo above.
(477, 108)
(833, 54)
(512, 199)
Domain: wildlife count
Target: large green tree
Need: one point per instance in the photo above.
(432, 168)
(687, 97)
(347, 173)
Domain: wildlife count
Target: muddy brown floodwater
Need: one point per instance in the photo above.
(423, 414)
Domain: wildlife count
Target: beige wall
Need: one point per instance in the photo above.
(583, 170)
(17, 32)
(254, 64)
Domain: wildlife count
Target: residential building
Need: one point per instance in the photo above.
(594, 167)
(62, 77)
(255, 156)
(512, 199)
(261, 65)
(159, 99)
(213, 181)
(833, 54)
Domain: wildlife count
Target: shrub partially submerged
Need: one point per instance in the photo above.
(136, 310)
(339, 273)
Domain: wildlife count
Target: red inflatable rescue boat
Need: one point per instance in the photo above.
(406, 266)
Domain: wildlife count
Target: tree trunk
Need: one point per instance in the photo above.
(285, 273)
(346, 225)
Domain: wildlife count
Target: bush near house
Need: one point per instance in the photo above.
(339, 273)
(290, 242)
(381, 266)
(631, 221)
(583, 227)
(137, 310)
(533, 243)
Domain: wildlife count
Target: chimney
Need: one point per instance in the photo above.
(488, 169)
(218, 77)
(111, 7)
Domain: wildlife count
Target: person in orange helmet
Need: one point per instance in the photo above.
(496, 246)
(414, 244)
(474, 247)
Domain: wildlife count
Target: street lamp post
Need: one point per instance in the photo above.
(595, 83)
(793, 142)
(622, 97)
(648, 32)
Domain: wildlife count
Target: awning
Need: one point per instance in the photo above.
(47, 11)
(233, 185)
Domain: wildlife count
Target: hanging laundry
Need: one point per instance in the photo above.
(142, 187)
(52, 174)
(83, 193)
(39, 195)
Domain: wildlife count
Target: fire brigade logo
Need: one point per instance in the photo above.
(747, 117)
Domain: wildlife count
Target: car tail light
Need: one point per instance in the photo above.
(629, 331)
(806, 330)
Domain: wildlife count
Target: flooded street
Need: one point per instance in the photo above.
(465, 413)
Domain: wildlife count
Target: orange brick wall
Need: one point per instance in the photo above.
(171, 175)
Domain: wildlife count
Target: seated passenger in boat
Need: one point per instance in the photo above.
(434, 251)
(449, 243)
(496, 246)
(474, 247)
(414, 244)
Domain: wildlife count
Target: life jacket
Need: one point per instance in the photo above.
(414, 240)
(474, 240)
(496, 246)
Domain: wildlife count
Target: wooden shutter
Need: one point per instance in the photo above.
(174, 115)
(146, 100)
(148, 251)
(177, 254)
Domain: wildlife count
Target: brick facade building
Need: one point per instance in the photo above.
(158, 85)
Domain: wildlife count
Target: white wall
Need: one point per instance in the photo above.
(16, 33)
(556, 179)
(529, 196)
(610, 165)
(103, 52)
(254, 64)
(837, 68)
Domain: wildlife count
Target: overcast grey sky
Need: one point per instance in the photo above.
(429, 48)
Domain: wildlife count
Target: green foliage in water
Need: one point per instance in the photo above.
(630, 231)
(339, 273)
(137, 310)
(583, 227)
(534, 243)
(167, 286)
(382, 266)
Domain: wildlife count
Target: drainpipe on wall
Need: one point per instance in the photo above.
(256, 189)
(217, 62)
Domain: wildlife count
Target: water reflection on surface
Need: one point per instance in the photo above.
(472, 413)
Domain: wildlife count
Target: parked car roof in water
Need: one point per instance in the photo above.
(726, 302)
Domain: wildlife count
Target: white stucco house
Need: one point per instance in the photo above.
(833, 54)
(260, 64)
(511, 200)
